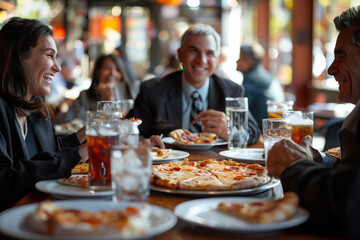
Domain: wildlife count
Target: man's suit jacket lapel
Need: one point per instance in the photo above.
(216, 98)
(173, 105)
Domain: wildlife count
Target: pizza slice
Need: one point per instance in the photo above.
(159, 153)
(50, 218)
(183, 136)
(334, 151)
(241, 175)
(75, 181)
(81, 168)
(263, 212)
(186, 137)
(138, 121)
(205, 137)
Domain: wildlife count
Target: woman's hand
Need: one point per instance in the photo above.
(81, 135)
(83, 151)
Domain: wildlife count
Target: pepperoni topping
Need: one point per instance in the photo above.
(175, 169)
(239, 177)
(201, 165)
(255, 167)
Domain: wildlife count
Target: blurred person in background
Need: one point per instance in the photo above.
(109, 82)
(260, 85)
(28, 149)
(121, 53)
(226, 69)
(165, 104)
(330, 190)
(171, 64)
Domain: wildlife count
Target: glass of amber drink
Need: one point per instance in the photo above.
(102, 132)
(301, 123)
(276, 109)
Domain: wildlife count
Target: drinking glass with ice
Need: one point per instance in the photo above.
(131, 170)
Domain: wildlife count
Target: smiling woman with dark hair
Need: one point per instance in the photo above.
(28, 150)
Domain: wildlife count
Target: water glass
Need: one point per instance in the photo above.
(102, 132)
(126, 105)
(237, 120)
(301, 123)
(131, 171)
(129, 133)
(274, 130)
(276, 109)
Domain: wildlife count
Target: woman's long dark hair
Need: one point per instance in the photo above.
(18, 37)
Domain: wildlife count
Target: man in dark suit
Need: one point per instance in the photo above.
(330, 193)
(165, 104)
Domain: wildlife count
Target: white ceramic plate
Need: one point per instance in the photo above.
(205, 146)
(12, 221)
(64, 191)
(203, 212)
(242, 192)
(248, 155)
(174, 155)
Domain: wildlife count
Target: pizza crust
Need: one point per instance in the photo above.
(263, 212)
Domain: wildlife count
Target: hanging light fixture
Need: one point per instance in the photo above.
(170, 2)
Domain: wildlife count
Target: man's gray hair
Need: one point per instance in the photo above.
(350, 19)
(202, 29)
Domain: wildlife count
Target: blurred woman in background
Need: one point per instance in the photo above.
(109, 82)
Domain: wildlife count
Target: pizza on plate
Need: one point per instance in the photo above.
(209, 175)
(138, 121)
(160, 153)
(186, 137)
(50, 218)
(263, 212)
(334, 151)
(81, 168)
(75, 181)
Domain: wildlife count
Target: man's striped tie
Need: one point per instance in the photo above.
(197, 106)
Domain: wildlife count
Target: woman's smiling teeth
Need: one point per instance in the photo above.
(49, 77)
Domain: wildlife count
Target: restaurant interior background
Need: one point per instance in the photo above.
(298, 35)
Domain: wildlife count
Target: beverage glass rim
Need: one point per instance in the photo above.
(275, 119)
(234, 98)
(279, 102)
(290, 111)
(102, 113)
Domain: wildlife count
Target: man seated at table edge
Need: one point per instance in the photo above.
(164, 104)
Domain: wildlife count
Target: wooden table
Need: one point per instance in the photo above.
(185, 231)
